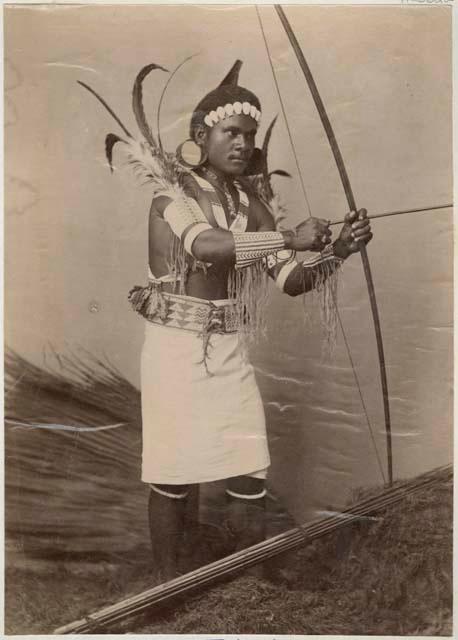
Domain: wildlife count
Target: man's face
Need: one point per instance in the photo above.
(230, 144)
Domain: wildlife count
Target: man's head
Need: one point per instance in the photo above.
(229, 144)
(225, 122)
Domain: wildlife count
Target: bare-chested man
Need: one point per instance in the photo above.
(211, 251)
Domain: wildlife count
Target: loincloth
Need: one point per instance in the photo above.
(198, 427)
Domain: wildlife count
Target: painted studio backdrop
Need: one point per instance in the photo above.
(76, 242)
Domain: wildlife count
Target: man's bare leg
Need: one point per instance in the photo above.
(246, 510)
(166, 509)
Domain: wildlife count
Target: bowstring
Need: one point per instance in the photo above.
(347, 346)
(293, 148)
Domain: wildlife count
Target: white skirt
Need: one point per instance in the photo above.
(197, 427)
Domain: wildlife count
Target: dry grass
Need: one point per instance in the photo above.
(389, 576)
(70, 487)
(38, 601)
(77, 538)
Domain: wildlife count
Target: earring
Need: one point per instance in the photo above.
(186, 156)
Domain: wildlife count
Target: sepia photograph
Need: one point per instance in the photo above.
(228, 319)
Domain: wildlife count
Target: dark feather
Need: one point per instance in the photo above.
(109, 109)
(256, 164)
(137, 103)
(265, 171)
(280, 172)
(232, 78)
(110, 142)
(164, 90)
(265, 144)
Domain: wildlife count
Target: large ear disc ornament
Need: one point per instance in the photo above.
(190, 155)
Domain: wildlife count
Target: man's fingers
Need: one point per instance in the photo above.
(351, 216)
(323, 227)
(361, 230)
(364, 238)
(360, 224)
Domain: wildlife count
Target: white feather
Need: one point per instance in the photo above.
(154, 167)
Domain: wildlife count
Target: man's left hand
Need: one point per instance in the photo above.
(356, 229)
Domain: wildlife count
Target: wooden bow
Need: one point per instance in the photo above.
(352, 207)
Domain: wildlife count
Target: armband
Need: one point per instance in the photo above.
(327, 256)
(252, 246)
(285, 255)
(284, 273)
(192, 234)
(325, 259)
(184, 214)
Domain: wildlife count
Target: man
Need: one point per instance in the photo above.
(211, 250)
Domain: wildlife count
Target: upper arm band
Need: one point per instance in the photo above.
(185, 215)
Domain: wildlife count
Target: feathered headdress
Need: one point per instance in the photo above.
(161, 169)
(146, 154)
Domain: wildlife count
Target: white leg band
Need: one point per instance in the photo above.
(167, 494)
(246, 496)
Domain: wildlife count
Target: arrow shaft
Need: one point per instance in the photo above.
(386, 214)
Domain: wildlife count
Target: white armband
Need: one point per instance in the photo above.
(285, 255)
(252, 246)
(284, 273)
(185, 214)
(326, 256)
(192, 234)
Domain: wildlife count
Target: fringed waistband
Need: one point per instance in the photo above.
(183, 312)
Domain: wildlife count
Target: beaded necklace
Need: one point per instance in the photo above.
(222, 186)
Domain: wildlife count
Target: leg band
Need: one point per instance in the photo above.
(174, 491)
(246, 488)
(246, 496)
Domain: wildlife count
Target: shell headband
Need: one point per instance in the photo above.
(237, 108)
(228, 99)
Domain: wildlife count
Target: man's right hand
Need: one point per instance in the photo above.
(311, 235)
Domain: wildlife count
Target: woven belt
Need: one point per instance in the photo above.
(183, 312)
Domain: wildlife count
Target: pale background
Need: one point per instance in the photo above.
(75, 235)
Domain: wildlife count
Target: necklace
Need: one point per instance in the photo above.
(223, 186)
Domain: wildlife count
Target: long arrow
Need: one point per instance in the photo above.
(386, 214)
(352, 207)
